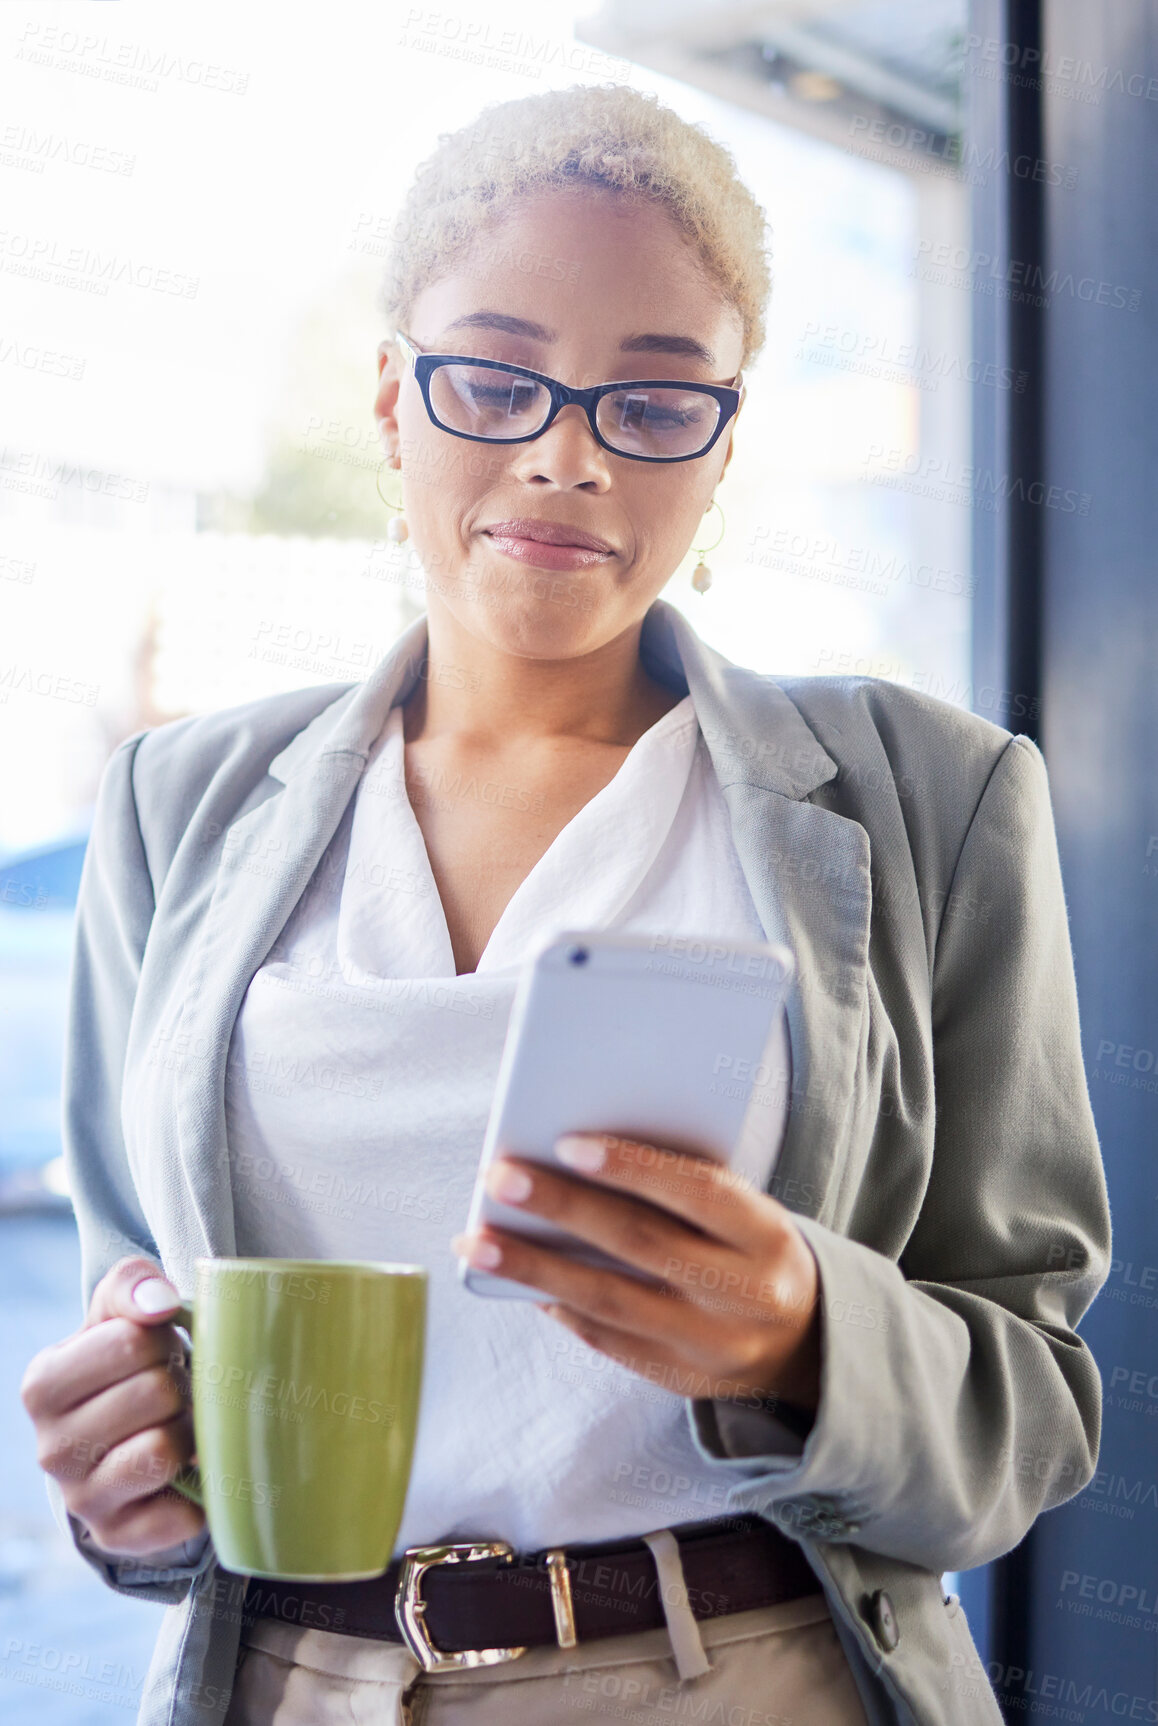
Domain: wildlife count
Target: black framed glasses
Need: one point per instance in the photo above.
(644, 419)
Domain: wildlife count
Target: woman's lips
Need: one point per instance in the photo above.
(546, 556)
(549, 545)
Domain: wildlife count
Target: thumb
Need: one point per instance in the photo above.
(135, 1288)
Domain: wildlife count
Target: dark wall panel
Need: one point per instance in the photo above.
(1099, 658)
(1067, 612)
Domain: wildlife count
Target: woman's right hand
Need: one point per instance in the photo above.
(111, 1407)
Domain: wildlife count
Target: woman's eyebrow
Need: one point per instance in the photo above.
(653, 342)
(687, 347)
(501, 321)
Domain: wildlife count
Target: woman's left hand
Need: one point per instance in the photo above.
(737, 1307)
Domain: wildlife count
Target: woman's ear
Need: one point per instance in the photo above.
(386, 398)
(731, 445)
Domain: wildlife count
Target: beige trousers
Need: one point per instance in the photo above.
(773, 1666)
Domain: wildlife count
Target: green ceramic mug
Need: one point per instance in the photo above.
(307, 1376)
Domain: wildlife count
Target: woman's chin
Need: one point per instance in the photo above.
(545, 615)
(531, 630)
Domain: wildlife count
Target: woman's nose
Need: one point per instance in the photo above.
(567, 453)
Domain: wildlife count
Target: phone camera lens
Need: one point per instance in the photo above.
(578, 955)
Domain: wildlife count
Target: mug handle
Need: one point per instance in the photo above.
(188, 1480)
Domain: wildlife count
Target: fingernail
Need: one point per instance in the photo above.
(580, 1153)
(485, 1255)
(154, 1294)
(506, 1182)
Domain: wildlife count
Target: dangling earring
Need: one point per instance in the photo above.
(702, 575)
(397, 529)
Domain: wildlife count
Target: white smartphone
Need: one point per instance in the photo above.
(654, 1037)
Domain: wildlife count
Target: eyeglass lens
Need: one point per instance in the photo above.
(489, 403)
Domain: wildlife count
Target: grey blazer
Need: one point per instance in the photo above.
(940, 1156)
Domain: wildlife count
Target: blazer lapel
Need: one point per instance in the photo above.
(807, 870)
(267, 859)
(808, 873)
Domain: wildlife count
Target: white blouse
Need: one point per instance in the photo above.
(360, 1076)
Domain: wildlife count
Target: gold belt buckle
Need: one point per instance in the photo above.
(410, 1607)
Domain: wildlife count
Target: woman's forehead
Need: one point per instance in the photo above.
(555, 268)
(616, 224)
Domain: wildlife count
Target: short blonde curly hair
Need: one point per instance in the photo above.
(606, 135)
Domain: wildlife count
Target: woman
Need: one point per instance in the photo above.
(298, 934)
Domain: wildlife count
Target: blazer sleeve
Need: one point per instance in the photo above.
(113, 915)
(957, 1401)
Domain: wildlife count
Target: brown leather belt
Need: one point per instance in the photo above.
(472, 1603)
